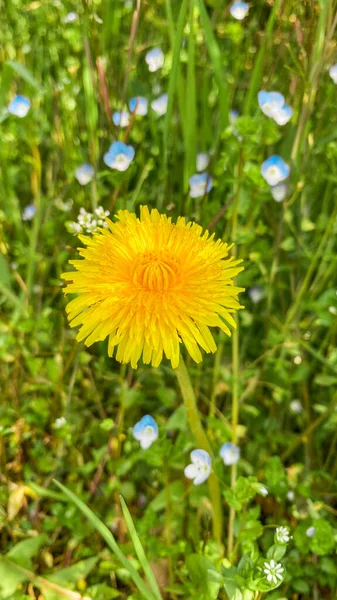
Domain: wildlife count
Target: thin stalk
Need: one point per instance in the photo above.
(202, 441)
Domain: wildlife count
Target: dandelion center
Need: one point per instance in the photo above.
(156, 272)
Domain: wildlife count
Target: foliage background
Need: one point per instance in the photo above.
(287, 341)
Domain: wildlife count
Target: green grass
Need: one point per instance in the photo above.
(83, 542)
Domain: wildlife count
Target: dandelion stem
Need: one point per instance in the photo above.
(202, 441)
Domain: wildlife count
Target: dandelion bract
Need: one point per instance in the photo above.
(150, 285)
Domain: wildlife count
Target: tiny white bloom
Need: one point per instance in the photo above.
(230, 453)
(282, 535)
(291, 495)
(202, 161)
(29, 212)
(263, 491)
(200, 468)
(154, 59)
(311, 531)
(101, 213)
(333, 73)
(296, 406)
(159, 105)
(84, 174)
(59, 422)
(70, 17)
(256, 293)
(273, 571)
(279, 192)
(75, 228)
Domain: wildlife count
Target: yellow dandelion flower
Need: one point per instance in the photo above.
(149, 285)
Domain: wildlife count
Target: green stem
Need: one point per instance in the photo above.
(202, 441)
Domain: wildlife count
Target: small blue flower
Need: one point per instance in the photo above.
(19, 106)
(200, 184)
(29, 212)
(154, 59)
(279, 192)
(230, 453)
(70, 17)
(119, 156)
(273, 105)
(239, 10)
(333, 73)
(121, 119)
(84, 174)
(145, 431)
(159, 105)
(200, 468)
(233, 115)
(310, 532)
(256, 293)
(138, 105)
(202, 161)
(274, 170)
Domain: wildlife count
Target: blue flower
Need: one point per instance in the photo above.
(230, 453)
(333, 73)
(138, 105)
(202, 161)
(19, 106)
(119, 156)
(200, 184)
(154, 59)
(239, 10)
(29, 212)
(159, 105)
(84, 174)
(200, 468)
(145, 431)
(70, 17)
(233, 115)
(274, 170)
(121, 119)
(273, 105)
(279, 192)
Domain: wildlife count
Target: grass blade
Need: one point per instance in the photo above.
(24, 73)
(215, 55)
(140, 551)
(109, 539)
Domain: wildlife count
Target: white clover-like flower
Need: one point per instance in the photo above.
(154, 59)
(256, 293)
(145, 431)
(230, 453)
(59, 422)
(279, 192)
(239, 10)
(273, 571)
(101, 213)
(310, 531)
(202, 161)
(89, 222)
(75, 228)
(159, 105)
(84, 174)
(333, 73)
(291, 496)
(200, 468)
(282, 535)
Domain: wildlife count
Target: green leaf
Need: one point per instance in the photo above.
(140, 551)
(205, 576)
(10, 578)
(24, 73)
(109, 539)
(325, 380)
(27, 549)
(71, 574)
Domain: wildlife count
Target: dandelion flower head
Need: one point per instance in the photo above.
(150, 285)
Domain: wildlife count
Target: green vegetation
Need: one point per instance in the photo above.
(85, 511)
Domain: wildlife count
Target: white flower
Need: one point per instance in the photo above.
(200, 468)
(282, 535)
(202, 161)
(59, 422)
(84, 174)
(291, 495)
(145, 431)
(333, 73)
(279, 192)
(70, 17)
(239, 10)
(101, 213)
(311, 531)
(75, 228)
(263, 491)
(296, 406)
(154, 59)
(273, 571)
(230, 453)
(159, 105)
(256, 293)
